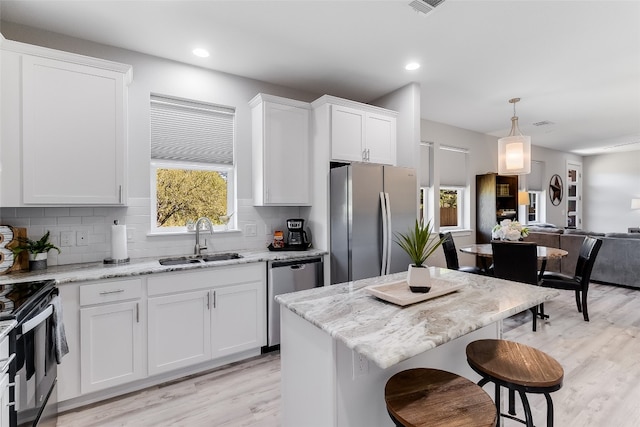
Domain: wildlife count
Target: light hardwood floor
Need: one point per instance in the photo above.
(601, 359)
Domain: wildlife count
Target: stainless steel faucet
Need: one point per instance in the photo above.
(199, 248)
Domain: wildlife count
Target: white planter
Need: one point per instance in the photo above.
(419, 278)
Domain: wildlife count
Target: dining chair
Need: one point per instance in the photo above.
(579, 282)
(451, 256)
(517, 261)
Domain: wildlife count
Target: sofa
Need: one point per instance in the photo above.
(617, 263)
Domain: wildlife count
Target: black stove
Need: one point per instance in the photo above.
(17, 300)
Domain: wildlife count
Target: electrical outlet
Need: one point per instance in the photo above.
(250, 230)
(82, 238)
(130, 234)
(360, 365)
(67, 238)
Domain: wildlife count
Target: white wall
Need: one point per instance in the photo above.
(610, 182)
(154, 75)
(406, 101)
(555, 162)
(482, 158)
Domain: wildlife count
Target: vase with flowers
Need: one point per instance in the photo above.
(509, 230)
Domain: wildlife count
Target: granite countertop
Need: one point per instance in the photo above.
(387, 334)
(99, 271)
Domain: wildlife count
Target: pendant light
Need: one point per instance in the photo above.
(514, 150)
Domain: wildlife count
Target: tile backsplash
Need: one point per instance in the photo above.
(96, 223)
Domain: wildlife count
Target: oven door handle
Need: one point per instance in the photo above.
(36, 320)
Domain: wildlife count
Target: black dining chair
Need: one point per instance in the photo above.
(579, 282)
(517, 261)
(451, 255)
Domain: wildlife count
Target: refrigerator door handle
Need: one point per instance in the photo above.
(385, 233)
(390, 231)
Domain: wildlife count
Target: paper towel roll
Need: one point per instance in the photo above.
(119, 242)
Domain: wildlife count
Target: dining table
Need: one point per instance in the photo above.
(485, 252)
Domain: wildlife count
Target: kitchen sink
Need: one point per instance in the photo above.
(221, 257)
(199, 259)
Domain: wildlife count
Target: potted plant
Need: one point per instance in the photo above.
(419, 245)
(37, 250)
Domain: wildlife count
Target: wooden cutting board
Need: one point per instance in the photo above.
(8, 239)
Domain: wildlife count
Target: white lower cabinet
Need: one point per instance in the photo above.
(4, 400)
(5, 360)
(179, 331)
(204, 315)
(123, 333)
(237, 322)
(111, 342)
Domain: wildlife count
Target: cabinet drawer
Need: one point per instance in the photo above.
(102, 292)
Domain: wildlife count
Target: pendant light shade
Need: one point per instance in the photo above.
(514, 150)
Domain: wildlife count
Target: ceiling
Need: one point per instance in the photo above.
(573, 63)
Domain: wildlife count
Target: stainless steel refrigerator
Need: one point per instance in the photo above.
(368, 205)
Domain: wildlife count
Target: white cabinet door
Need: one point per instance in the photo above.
(280, 135)
(238, 318)
(110, 345)
(74, 133)
(179, 330)
(4, 400)
(347, 133)
(380, 139)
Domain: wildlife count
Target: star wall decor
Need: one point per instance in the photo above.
(555, 190)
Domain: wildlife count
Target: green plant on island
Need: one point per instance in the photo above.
(417, 242)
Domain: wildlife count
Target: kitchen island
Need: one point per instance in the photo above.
(340, 344)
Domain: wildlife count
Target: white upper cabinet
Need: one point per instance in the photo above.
(64, 134)
(281, 161)
(361, 132)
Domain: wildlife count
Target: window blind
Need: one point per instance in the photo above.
(191, 131)
(534, 179)
(453, 166)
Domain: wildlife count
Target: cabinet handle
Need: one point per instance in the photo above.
(364, 155)
(120, 194)
(116, 291)
(208, 300)
(137, 312)
(368, 155)
(214, 299)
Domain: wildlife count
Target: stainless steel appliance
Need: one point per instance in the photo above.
(285, 277)
(297, 236)
(368, 205)
(34, 370)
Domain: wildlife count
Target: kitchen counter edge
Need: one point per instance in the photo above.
(136, 267)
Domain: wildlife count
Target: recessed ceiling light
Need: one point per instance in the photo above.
(202, 53)
(412, 66)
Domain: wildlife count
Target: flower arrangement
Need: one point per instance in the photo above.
(509, 230)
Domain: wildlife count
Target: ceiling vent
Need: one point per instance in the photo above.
(425, 6)
(543, 123)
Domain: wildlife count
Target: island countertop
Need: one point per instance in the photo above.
(388, 334)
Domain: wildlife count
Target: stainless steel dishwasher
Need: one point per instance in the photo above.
(289, 276)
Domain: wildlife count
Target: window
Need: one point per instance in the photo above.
(454, 212)
(192, 163)
(535, 210)
(451, 207)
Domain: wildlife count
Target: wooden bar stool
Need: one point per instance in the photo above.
(519, 368)
(430, 397)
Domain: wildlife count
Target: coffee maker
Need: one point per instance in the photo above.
(297, 236)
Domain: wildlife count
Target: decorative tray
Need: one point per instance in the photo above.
(400, 294)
